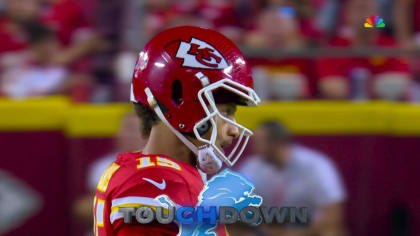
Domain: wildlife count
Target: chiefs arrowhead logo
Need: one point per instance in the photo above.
(199, 54)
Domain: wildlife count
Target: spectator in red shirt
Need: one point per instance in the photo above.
(406, 22)
(67, 19)
(70, 24)
(39, 74)
(225, 17)
(375, 76)
(284, 78)
(45, 69)
(12, 34)
(158, 15)
(78, 40)
(15, 14)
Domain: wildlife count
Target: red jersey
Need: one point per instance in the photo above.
(134, 180)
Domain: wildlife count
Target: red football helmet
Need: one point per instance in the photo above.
(180, 73)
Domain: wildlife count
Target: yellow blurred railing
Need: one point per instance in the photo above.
(302, 117)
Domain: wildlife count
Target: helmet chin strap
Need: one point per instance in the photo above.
(208, 161)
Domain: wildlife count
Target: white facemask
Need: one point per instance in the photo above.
(210, 157)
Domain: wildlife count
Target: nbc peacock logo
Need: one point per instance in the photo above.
(374, 21)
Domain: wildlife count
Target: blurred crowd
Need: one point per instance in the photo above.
(86, 49)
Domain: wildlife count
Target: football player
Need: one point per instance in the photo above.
(186, 85)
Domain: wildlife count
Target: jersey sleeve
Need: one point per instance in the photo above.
(141, 189)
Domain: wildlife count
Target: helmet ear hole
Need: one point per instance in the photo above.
(177, 92)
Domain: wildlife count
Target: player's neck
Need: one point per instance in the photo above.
(163, 141)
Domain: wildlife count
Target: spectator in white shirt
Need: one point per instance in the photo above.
(288, 174)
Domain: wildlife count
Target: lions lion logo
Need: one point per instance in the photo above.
(227, 188)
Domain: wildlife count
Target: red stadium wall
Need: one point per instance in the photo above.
(380, 174)
(40, 159)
